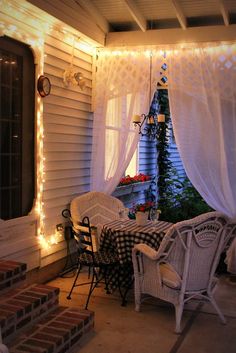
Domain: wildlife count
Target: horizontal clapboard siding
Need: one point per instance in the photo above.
(176, 161)
(147, 163)
(67, 123)
(147, 156)
(68, 137)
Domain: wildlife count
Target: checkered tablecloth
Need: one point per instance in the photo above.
(121, 236)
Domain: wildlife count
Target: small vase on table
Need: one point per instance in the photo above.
(141, 218)
(155, 217)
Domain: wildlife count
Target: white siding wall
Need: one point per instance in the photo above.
(67, 122)
(68, 136)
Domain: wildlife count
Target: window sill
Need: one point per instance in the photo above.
(131, 188)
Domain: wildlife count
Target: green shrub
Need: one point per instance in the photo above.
(181, 201)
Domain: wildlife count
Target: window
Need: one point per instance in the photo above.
(132, 168)
(17, 95)
(114, 136)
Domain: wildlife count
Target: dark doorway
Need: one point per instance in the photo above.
(17, 106)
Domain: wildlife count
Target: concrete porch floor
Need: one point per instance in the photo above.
(122, 330)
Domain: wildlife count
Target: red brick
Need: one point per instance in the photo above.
(78, 316)
(22, 266)
(35, 302)
(8, 271)
(14, 269)
(41, 297)
(49, 338)
(78, 323)
(49, 293)
(49, 347)
(23, 349)
(24, 305)
(56, 290)
(57, 332)
(85, 313)
(8, 308)
(18, 310)
(53, 314)
(57, 324)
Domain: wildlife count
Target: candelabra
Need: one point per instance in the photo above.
(148, 124)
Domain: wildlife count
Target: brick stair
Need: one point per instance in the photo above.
(12, 274)
(31, 319)
(59, 332)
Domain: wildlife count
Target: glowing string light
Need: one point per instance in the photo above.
(32, 20)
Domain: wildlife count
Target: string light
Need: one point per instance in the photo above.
(37, 44)
(35, 38)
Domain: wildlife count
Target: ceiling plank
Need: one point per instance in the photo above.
(179, 13)
(96, 15)
(172, 36)
(224, 12)
(136, 14)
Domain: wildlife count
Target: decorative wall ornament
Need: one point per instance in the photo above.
(74, 78)
(71, 75)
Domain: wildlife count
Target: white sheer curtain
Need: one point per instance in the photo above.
(202, 94)
(122, 89)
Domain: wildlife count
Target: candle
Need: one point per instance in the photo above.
(161, 118)
(136, 119)
(151, 120)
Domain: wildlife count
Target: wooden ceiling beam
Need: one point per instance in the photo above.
(172, 36)
(224, 12)
(136, 14)
(95, 14)
(179, 13)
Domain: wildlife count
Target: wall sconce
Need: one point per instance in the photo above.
(79, 77)
(71, 77)
(151, 120)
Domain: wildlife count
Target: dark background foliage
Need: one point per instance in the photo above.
(178, 200)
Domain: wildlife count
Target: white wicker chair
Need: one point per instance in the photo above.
(99, 207)
(184, 265)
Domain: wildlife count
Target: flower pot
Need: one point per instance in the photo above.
(141, 218)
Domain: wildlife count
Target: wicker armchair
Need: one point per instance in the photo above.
(184, 265)
(99, 207)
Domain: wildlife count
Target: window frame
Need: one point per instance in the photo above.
(27, 122)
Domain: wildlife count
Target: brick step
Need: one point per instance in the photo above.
(58, 332)
(20, 308)
(12, 274)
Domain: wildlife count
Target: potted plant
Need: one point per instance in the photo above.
(142, 211)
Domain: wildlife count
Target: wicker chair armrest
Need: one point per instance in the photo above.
(146, 250)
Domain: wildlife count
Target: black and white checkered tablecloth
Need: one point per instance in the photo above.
(121, 236)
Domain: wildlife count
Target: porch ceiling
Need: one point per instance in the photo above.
(132, 22)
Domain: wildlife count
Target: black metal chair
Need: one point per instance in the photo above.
(100, 263)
